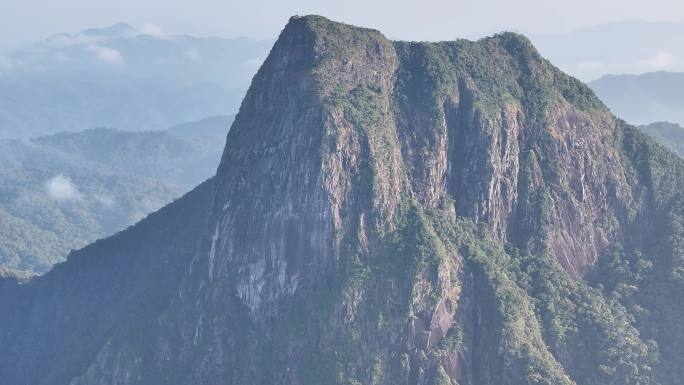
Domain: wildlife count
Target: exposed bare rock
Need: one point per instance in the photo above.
(418, 214)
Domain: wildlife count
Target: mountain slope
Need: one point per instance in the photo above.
(179, 160)
(123, 281)
(211, 127)
(63, 191)
(668, 134)
(408, 213)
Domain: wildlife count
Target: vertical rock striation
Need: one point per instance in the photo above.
(337, 249)
(408, 213)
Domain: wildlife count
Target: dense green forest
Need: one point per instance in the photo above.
(668, 134)
(63, 191)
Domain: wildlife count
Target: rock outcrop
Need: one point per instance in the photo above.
(410, 213)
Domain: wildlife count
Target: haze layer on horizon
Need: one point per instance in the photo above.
(22, 21)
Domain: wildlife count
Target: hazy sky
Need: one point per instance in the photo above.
(29, 20)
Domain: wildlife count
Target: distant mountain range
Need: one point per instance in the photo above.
(630, 47)
(63, 191)
(121, 77)
(646, 98)
(668, 134)
(635, 67)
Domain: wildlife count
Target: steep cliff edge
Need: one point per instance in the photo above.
(418, 213)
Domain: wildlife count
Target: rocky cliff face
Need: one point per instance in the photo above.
(410, 213)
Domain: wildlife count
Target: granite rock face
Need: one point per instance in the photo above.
(408, 213)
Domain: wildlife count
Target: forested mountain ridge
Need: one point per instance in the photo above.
(390, 213)
(668, 134)
(112, 286)
(63, 191)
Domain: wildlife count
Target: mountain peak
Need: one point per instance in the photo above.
(321, 24)
(322, 37)
(115, 30)
(415, 121)
(394, 213)
(93, 35)
(516, 43)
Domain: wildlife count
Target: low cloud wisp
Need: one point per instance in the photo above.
(60, 188)
(107, 55)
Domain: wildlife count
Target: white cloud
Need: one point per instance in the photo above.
(60, 188)
(661, 61)
(193, 55)
(107, 55)
(154, 30)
